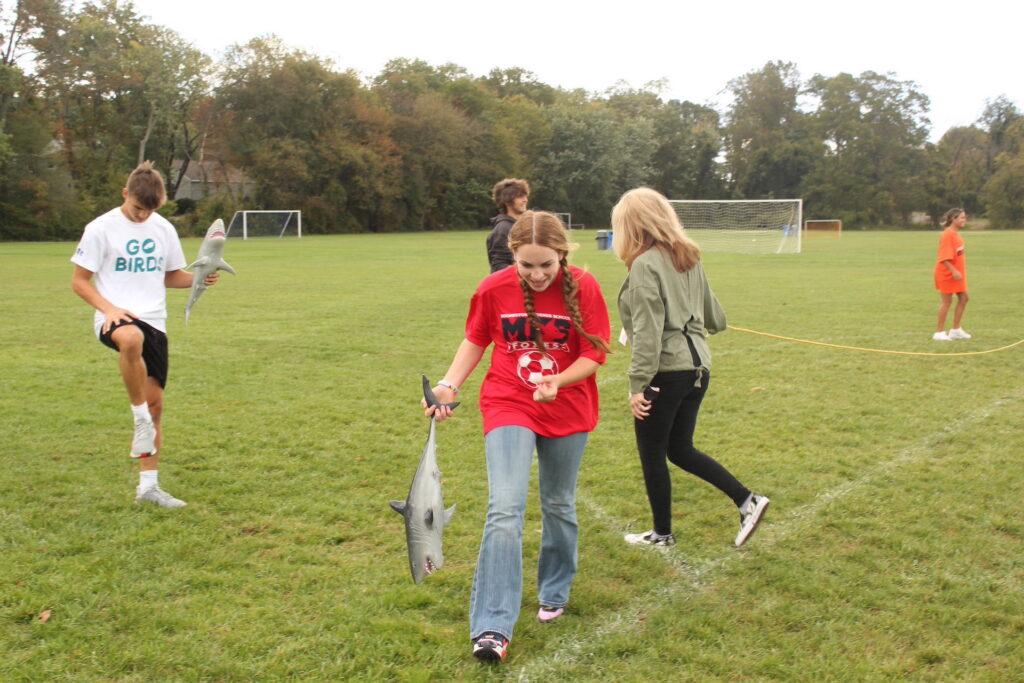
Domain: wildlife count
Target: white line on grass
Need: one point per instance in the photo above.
(700, 576)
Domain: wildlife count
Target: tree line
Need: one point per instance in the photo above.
(87, 92)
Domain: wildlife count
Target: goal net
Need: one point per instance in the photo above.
(246, 224)
(742, 226)
(832, 227)
(566, 219)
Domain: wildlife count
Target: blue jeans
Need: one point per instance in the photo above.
(498, 582)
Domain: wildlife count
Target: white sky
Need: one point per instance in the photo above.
(959, 54)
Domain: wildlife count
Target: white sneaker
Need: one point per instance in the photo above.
(155, 494)
(941, 336)
(750, 517)
(958, 333)
(144, 441)
(650, 538)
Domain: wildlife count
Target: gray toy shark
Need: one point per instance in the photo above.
(423, 509)
(210, 260)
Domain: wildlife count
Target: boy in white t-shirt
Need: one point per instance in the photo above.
(134, 254)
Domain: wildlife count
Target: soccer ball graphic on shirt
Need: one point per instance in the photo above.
(534, 365)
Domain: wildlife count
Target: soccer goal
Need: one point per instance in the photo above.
(744, 226)
(824, 226)
(566, 218)
(246, 224)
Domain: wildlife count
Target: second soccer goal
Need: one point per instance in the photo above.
(263, 223)
(743, 226)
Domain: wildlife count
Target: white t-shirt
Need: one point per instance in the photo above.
(129, 261)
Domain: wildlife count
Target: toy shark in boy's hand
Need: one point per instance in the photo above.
(423, 510)
(209, 261)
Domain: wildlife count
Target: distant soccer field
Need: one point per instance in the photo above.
(894, 546)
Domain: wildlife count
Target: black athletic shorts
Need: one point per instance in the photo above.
(154, 348)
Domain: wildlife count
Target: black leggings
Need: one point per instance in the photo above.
(668, 431)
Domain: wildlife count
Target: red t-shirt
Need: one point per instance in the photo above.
(951, 248)
(497, 314)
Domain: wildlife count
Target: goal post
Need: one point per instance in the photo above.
(265, 223)
(744, 226)
(822, 226)
(566, 218)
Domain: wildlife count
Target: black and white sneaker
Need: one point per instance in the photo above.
(750, 516)
(490, 647)
(650, 538)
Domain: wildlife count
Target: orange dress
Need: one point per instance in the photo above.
(951, 248)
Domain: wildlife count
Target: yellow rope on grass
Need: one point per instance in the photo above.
(886, 351)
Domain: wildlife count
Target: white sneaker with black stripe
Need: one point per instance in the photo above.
(650, 538)
(750, 516)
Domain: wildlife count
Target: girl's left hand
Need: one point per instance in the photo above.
(547, 389)
(639, 406)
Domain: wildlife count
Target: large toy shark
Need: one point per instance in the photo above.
(423, 509)
(209, 261)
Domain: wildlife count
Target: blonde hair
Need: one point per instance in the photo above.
(951, 215)
(546, 230)
(642, 219)
(146, 186)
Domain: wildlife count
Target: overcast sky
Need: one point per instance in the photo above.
(959, 54)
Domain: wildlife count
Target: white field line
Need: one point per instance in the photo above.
(700, 576)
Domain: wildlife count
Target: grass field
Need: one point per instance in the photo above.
(894, 546)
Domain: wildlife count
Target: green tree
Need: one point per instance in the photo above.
(312, 138)
(1004, 191)
(768, 144)
(874, 129)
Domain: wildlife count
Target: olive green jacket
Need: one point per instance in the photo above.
(657, 305)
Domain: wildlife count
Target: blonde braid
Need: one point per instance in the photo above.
(570, 295)
(531, 314)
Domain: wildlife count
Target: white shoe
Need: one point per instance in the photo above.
(750, 517)
(941, 336)
(155, 494)
(958, 333)
(144, 441)
(650, 538)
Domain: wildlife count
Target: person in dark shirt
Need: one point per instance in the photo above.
(510, 196)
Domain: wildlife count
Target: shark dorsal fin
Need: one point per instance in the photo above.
(398, 506)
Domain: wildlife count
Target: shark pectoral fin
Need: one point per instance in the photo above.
(428, 517)
(223, 265)
(398, 506)
(448, 515)
(198, 262)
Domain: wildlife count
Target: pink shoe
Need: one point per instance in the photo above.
(546, 615)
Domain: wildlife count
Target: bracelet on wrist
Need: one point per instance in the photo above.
(446, 383)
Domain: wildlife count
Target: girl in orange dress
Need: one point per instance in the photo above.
(951, 275)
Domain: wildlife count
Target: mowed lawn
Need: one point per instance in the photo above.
(894, 546)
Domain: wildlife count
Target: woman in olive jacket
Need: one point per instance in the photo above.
(667, 309)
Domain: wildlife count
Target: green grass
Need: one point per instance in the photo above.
(894, 546)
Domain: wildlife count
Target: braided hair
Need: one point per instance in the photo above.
(546, 230)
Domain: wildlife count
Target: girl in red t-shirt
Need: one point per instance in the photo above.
(951, 275)
(548, 323)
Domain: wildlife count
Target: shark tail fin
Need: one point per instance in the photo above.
(223, 265)
(431, 398)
